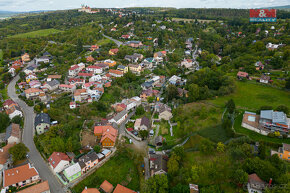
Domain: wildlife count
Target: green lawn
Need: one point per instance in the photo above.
(35, 34)
(117, 170)
(1, 56)
(104, 41)
(252, 96)
(255, 136)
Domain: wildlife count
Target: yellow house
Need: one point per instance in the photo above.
(25, 57)
(284, 152)
(123, 68)
(135, 68)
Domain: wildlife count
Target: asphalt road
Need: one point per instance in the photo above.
(27, 137)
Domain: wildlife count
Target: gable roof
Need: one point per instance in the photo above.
(4, 153)
(286, 147)
(72, 170)
(32, 90)
(145, 121)
(42, 118)
(56, 157)
(254, 179)
(18, 174)
(53, 83)
(12, 130)
(107, 186)
(120, 115)
(122, 189)
(54, 76)
(90, 190)
(242, 74)
(9, 102)
(38, 188)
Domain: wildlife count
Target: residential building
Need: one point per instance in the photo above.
(158, 56)
(52, 77)
(107, 187)
(187, 63)
(148, 93)
(106, 134)
(34, 84)
(242, 75)
(255, 184)
(90, 190)
(32, 93)
(135, 68)
(259, 65)
(67, 88)
(9, 103)
(20, 176)
(176, 80)
(52, 85)
(134, 58)
(41, 123)
(88, 161)
(94, 47)
(94, 69)
(271, 46)
(145, 123)
(134, 44)
(193, 188)
(42, 59)
(283, 152)
(80, 95)
(72, 105)
(25, 57)
(90, 59)
(5, 156)
(14, 111)
(159, 141)
(165, 112)
(113, 52)
(30, 77)
(122, 68)
(58, 161)
(95, 78)
(13, 134)
(274, 121)
(265, 79)
(110, 63)
(116, 73)
(74, 70)
(73, 172)
(158, 164)
(137, 124)
(42, 187)
(77, 81)
(123, 189)
(85, 75)
(119, 118)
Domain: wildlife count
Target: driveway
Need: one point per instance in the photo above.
(27, 137)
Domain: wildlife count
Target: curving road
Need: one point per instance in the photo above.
(27, 137)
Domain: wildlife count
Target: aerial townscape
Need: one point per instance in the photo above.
(144, 100)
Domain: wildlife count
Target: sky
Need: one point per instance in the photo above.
(35, 5)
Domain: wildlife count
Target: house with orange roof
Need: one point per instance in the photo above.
(90, 190)
(116, 73)
(32, 93)
(13, 111)
(90, 59)
(110, 63)
(20, 176)
(123, 189)
(106, 134)
(25, 57)
(67, 88)
(4, 156)
(58, 161)
(113, 52)
(42, 187)
(94, 47)
(52, 77)
(80, 95)
(107, 187)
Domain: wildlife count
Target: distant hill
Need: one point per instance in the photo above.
(284, 7)
(5, 14)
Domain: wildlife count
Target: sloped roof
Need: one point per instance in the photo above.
(145, 121)
(107, 186)
(42, 118)
(4, 153)
(56, 157)
(18, 174)
(72, 170)
(12, 130)
(38, 188)
(90, 190)
(122, 189)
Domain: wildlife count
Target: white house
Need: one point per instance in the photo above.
(67, 88)
(119, 118)
(94, 69)
(58, 161)
(72, 105)
(14, 111)
(95, 78)
(74, 70)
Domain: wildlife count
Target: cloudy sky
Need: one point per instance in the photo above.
(33, 5)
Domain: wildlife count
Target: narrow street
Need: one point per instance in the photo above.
(27, 137)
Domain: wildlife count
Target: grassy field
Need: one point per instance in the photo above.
(35, 34)
(251, 96)
(255, 136)
(118, 169)
(1, 56)
(104, 42)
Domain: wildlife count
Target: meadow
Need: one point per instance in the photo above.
(36, 34)
(251, 96)
(118, 169)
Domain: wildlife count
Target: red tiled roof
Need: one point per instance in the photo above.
(32, 90)
(115, 72)
(107, 186)
(122, 189)
(9, 102)
(18, 174)
(93, 67)
(56, 157)
(242, 74)
(4, 154)
(74, 67)
(90, 190)
(66, 86)
(38, 188)
(85, 74)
